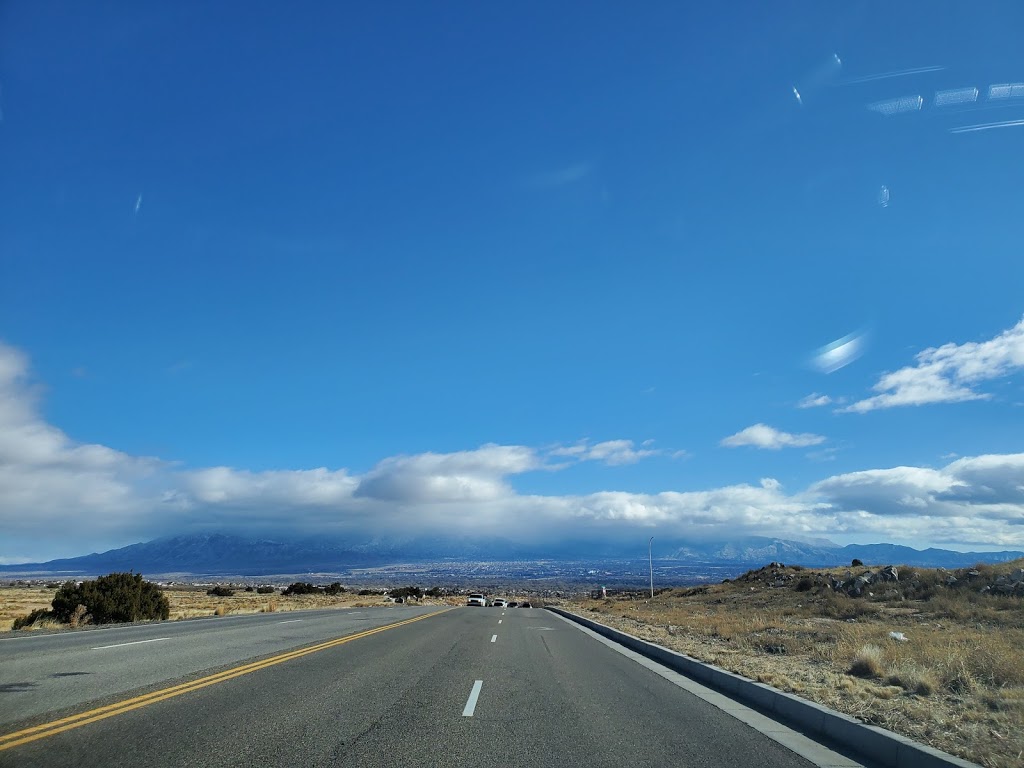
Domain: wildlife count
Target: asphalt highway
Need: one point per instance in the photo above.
(402, 686)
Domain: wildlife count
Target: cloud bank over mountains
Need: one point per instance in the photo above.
(59, 497)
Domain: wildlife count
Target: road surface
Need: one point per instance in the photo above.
(401, 686)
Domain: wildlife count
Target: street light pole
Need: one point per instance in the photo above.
(650, 558)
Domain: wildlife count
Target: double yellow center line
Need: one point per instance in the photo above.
(17, 738)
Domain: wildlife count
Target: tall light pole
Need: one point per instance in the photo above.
(650, 558)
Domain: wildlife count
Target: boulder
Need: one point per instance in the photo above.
(1017, 576)
(889, 573)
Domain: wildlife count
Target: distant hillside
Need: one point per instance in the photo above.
(758, 550)
(216, 553)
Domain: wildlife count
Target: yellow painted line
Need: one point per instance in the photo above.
(17, 738)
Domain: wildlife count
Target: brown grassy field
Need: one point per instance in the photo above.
(956, 682)
(191, 602)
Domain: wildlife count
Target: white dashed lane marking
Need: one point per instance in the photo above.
(474, 694)
(137, 642)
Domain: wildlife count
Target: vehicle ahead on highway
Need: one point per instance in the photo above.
(512, 604)
(477, 600)
(499, 603)
(525, 604)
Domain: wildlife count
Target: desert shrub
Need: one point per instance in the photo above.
(364, 592)
(264, 590)
(434, 592)
(79, 616)
(405, 592)
(804, 585)
(856, 562)
(911, 678)
(301, 588)
(220, 610)
(957, 677)
(219, 591)
(52, 585)
(27, 621)
(248, 589)
(867, 662)
(112, 598)
(334, 589)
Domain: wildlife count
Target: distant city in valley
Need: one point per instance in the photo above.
(461, 563)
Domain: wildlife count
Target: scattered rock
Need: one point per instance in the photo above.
(899, 637)
(889, 573)
(1017, 576)
(950, 580)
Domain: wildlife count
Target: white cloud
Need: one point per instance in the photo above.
(59, 497)
(298, 488)
(465, 476)
(814, 400)
(53, 485)
(763, 436)
(610, 452)
(948, 374)
(975, 499)
(562, 176)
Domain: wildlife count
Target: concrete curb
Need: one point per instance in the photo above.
(874, 743)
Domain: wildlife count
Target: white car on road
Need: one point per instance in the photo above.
(477, 599)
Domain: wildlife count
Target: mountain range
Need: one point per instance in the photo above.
(218, 553)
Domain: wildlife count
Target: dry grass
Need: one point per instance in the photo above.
(20, 601)
(191, 602)
(956, 683)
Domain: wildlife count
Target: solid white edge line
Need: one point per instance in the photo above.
(136, 642)
(803, 746)
(474, 694)
(289, 621)
(494, 638)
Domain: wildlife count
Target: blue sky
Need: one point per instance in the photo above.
(262, 264)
